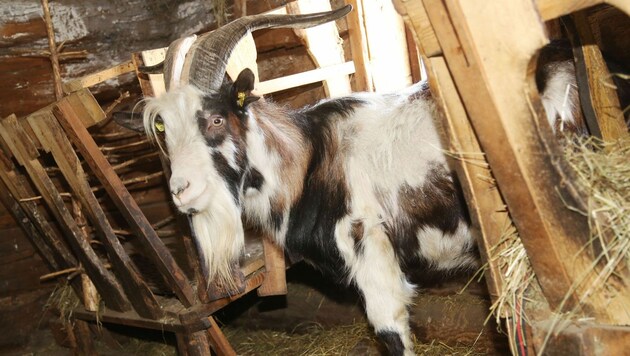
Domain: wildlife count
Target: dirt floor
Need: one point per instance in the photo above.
(315, 318)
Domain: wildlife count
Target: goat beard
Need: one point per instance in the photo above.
(220, 238)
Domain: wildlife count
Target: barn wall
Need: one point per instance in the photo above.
(102, 34)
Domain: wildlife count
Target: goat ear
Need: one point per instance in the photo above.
(242, 89)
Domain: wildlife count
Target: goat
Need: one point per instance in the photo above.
(357, 186)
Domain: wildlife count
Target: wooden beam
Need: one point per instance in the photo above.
(414, 14)
(551, 9)
(98, 77)
(524, 156)
(69, 117)
(359, 47)
(275, 282)
(109, 288)
(29, 227)
(389, 57)
(53, 139)
(16, 185)
(308, 77)
(323, 45)
(598, 97)
(489, 217)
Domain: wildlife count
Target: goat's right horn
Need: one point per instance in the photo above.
(208, 57)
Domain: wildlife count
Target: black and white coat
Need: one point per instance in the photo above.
(358, 186)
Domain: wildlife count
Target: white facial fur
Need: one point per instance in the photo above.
(196, 184)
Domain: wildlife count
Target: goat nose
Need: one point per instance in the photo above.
(178, 185)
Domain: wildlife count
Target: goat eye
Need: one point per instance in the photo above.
(216, 121)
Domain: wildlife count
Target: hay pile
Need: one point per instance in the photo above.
(603, 171)
(355, 339)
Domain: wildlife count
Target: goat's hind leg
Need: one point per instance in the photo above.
(385, 291)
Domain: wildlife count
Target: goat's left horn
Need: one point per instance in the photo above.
(210, 53)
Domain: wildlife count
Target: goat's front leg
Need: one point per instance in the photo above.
(385, 291)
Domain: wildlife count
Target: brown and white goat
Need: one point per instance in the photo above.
(357, 186)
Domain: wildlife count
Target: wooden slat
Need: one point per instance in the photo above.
(69, 117)
(98, 77)
(526, 160)
(29, 228)
(598, 97)
(108, 287)
(359, 47)
(389, 58)
(275, 282)
(219, 342)
(52, 137)
(16, 185)
(551, 9)
(193, 344)
(308, 77)
(414, 14)
(323, 45)
(488, 215)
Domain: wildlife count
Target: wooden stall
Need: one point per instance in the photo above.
(76, 190)
(480, 63)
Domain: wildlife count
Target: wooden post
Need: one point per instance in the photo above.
(275, 282)
(525, 158)
(359, 46)
(323, 44)
(599, 100)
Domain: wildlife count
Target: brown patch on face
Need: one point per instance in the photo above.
(357, 229)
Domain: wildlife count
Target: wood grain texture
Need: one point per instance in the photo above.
(525, 158)
(69, 117)
(52, 137)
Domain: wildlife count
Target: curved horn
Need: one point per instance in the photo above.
(209, 55)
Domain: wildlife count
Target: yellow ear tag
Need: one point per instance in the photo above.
(159, 126)
(241, 98)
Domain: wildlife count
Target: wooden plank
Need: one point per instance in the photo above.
(359, 47)
(98, 77)
(414, 14)
(168, 323)
(308, 77)
(52, 137)
(68, 115)
(83, 337)
(275, 282)
(323, 45)
(551, 9)
(486, 207)
(193, 344)
(155, 81)
(597, 94)
(219, 342)
(16, 185)
(581, 338)
(29, 228)
(415, 66)
(105, 282)
(526, 161)
(389, 58)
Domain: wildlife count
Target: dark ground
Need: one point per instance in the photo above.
(315, 318)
